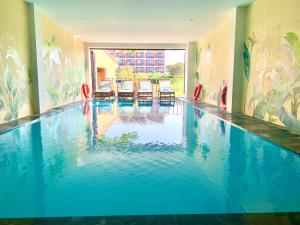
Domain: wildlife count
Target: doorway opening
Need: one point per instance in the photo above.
(140, 64)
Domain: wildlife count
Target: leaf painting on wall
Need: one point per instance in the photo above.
(52, 53)
(288, 120)
(294, 42)
(282, 101)
(266, 107)
(14, 85)
(53, 92)
(292, 95)
(63, 80)
(197, 57)
(247, 54)
(246, 58)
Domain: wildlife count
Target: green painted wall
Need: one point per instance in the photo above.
(272, 62)
(15, 80)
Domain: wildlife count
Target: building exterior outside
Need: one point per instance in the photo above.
(142, 61)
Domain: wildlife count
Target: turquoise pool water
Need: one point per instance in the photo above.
(122, 158)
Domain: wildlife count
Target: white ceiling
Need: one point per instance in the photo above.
(139, 21)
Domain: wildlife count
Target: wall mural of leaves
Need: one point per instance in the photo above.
(198, 60)
(63, 78)
(15, 80)
(214, 56)
(280, 104)
(213, 78)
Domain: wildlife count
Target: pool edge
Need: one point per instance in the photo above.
(222, 114)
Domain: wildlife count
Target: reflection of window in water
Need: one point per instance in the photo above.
(125, 102)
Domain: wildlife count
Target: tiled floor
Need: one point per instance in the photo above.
(200, 219)
(279, 135)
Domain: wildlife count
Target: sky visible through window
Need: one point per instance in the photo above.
(174, 56)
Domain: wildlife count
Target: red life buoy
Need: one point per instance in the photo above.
(224, 95)
(85, 90)
(197, 91)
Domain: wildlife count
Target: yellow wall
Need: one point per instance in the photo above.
(15, 86)
(273, 90)
(215, 51)
(103, 60)
(63, 63)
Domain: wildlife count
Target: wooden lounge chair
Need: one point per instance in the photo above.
(104, 90)
(165, 91)
(145, 90)
(126, 90)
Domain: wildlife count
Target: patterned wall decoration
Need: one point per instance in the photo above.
(272, 62)
(15, 79)
(15, 87)
(214, 64)
(62, 59)
(63, 64)
(62, 79)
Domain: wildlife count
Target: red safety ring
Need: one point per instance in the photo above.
(224, 96)
(197, 91)
(85, 90)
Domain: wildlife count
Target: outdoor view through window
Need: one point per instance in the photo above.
(136, 65)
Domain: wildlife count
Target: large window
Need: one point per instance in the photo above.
(150, 55)
(140, 62)
(130, 55)
(140, 69)
(140, 54)
(121, 62)
(120, 55)
(159, 54)
(149, 69)
(150, 62)
(159, 62)
(130, 62)
(145, 64)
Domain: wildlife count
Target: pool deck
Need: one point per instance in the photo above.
(279, 135)
(194, 219)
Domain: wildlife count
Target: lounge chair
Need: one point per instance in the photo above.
(165, 91)
(126, 90)
(104, 90)
(145, 90)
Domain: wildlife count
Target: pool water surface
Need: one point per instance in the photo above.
(107, 158)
